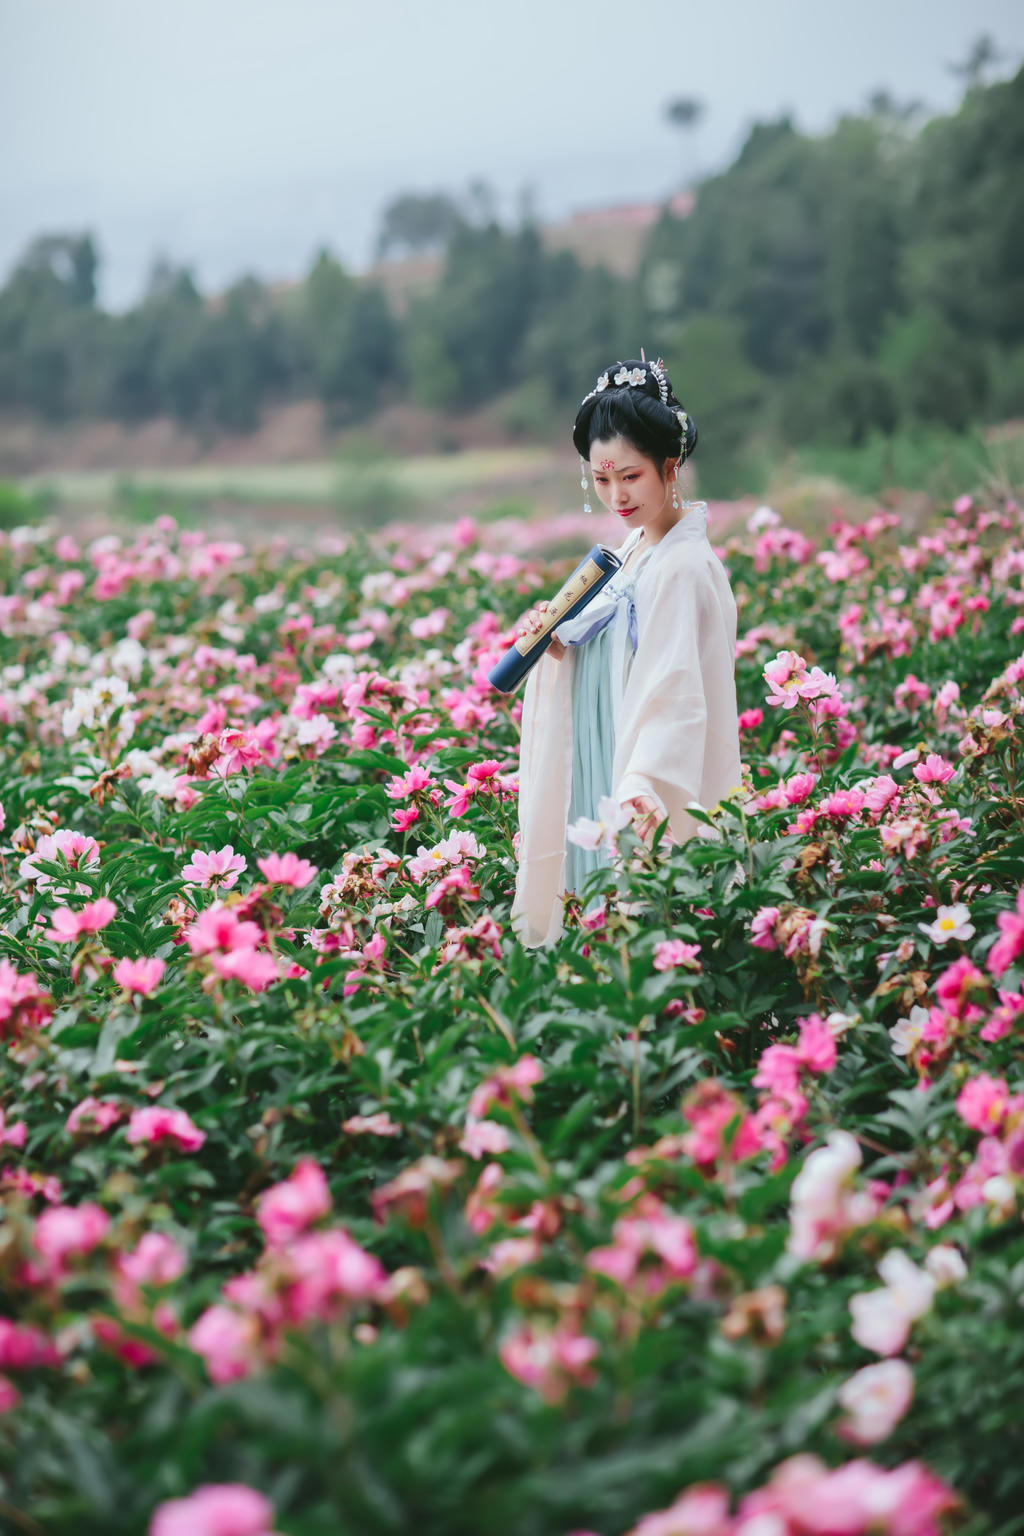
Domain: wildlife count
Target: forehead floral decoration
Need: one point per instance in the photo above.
(607, 463)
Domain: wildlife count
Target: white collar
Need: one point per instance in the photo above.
(692, 525)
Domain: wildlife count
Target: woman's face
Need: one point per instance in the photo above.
(630, 484)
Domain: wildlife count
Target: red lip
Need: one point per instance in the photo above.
(626, 511)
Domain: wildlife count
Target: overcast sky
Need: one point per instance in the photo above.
(240, 135)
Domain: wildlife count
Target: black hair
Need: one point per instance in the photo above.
(637, 413)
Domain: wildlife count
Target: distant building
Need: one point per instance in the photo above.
(612, 236)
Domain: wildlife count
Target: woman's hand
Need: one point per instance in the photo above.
(646, 816)
(534, 623)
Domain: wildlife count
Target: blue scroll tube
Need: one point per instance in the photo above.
(593, 571)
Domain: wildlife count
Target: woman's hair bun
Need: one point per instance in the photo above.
(635, 400)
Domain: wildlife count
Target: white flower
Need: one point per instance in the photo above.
(586, 833)
(879, 1322)
(622, 377)
(950, 923)
(128, 658)
(317, 732)
(602, 382)
(612, 817)
(908, 1281)
(875, 1399)
(911, 755)
(999, 1191)
(945, 1264)
(638, 376)
(762, 517)
(906, 1033)
(882, 1319)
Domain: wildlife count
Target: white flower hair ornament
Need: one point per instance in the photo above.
(684, 424)
(632, 378)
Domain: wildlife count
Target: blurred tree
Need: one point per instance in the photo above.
(139, 382)
(715, 381)
(839, 399)
(417, 222)
(481, 203)
(685, 113)
(982, 56)
(483, 306)
(73, 261)
(965, 216)
(936, 374)
(352, 338)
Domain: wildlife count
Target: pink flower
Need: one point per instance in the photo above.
(799, 788)
(63, 846)
(228, 1342)
(458, 881)
(499, 1088)
(786, 676)
(858, 1499)
(288, 1208)
(158, 1123)
(701, 1510)
(12, 1135)
(239, 750)
(328, 1268)
(817, 1045)
(762, 928)
(983, 1101)
(415, 782)
(1010, 943)
(140, 976)
(22, 1347)
(778, 1070)
(880, 793)
(876, 1399)
(156, 1260)
(23, 1002)
(287, 869)
(254, 968)
(380, 1124)
(66, 925)
(842, 803)
(956, 985)
(485, 1138)
(549, 1361)
(219, 928)
(934, 770)
(10, 1397)
(674, 952)
(217, 1509)
(64, 1231)
(750, 719)
(93, 1115)
(220, 870)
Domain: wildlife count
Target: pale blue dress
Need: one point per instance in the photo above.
(604, 636)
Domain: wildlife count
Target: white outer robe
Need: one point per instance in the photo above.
(675, 718)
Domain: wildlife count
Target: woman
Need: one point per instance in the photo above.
(635, 699)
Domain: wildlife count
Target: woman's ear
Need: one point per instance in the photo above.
(671, 465)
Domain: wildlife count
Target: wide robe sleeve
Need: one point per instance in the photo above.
(663, 723)
(545, 783)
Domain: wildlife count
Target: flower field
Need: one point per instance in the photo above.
(328, 1210)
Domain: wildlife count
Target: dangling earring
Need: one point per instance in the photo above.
(586, 488)
(675, 488)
